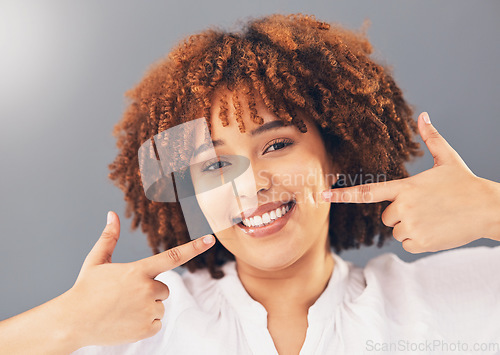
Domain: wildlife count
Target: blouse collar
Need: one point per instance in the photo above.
(248, 308)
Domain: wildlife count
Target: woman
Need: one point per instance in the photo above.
(303, 103)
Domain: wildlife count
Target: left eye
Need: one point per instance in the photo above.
(277, 145)
(217, 165)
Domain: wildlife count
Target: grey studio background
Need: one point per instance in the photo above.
(64, 67)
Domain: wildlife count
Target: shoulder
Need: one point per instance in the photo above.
(456, 291)
(470, 265)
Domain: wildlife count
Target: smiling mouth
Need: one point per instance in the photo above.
(268, 217)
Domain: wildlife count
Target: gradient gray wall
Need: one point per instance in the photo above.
(64, 67)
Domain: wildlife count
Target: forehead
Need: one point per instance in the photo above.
(232, 111)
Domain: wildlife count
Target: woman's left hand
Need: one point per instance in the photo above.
(441, 208)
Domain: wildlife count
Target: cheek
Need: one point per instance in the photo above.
(218, 206)
(306, 180)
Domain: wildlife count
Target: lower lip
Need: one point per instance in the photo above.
(264, 231)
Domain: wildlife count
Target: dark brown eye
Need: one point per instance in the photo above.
(217, 165)
(278, 144)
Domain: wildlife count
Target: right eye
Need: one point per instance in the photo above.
(217, 165)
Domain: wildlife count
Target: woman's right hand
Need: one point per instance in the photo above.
(112, 303)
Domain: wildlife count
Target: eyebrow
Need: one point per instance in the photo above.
(259, 130)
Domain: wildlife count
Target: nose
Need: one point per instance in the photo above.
(255, 181)
(263, 180)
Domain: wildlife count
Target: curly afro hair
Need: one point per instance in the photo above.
(294, 63)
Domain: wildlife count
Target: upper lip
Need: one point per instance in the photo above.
(261, 209)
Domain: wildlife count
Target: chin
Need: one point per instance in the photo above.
(273, 260)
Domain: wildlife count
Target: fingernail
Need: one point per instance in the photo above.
(426, 118)
(208, 239)
(110, 217)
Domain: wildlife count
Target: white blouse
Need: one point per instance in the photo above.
(447, 302)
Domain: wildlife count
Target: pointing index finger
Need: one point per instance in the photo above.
(365, 193)
(172, 258)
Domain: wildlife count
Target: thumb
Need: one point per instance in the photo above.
(103, 249)
(441, 151)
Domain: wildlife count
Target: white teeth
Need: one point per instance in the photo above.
(266, 218)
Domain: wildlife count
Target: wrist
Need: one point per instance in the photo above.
(65, 316)
(44, 329)
(492, 210)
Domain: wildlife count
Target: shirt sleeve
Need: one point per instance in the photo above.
(454, 294)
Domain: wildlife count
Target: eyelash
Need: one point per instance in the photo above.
(285, 141)
(207, 168)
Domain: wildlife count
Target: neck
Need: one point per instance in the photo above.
(291, 290)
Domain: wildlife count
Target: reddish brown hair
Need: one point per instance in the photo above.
(294, 63)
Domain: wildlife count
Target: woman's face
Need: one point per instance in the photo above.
(289, 170)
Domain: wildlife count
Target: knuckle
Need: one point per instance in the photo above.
(406, 244)
(151, 328)
(159, 290)
(433, 135)
(197, 245)
(410, 183)
(174, 255)
(385, 216)
(108, 234)
(407, 248)
(155, 327)
(415, 250)
(425, 244)
(148, 330)
(162, 310)
(365, 192)
(396, 233)
(133, 268)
